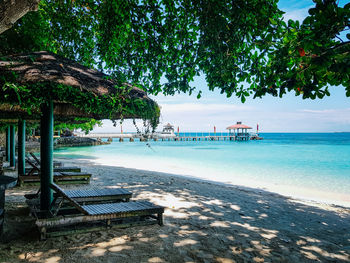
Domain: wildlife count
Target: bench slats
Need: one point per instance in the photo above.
(96, 192)
(113, 208)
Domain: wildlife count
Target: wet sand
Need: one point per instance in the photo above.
(203, 222)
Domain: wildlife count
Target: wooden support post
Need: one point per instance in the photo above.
(2, 209)
(160, 219)
(21, 146)
(12, 146)
(46, 155)
(8, 144)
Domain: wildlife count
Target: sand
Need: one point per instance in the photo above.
(203, 222)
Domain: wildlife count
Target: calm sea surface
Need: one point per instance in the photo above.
(312, 161)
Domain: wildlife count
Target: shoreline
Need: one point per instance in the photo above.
(298, 193)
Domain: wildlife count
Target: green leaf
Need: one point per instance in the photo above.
(312, 11)
(272, 21)
(348, 92)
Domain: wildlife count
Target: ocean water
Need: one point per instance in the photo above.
(307, 165)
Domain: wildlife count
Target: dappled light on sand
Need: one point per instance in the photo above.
(203, 222)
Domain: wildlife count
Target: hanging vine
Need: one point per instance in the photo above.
(109, 106)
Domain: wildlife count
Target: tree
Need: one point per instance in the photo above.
(243, 47)
(306, 58)
(12, 10)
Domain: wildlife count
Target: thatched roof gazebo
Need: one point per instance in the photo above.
(75, 90)
(41, 85)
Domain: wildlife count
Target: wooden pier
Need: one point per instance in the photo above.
(155, 137)
(207, 138)
(237, 132)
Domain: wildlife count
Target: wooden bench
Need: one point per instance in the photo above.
(92, 217)
(58, 177)
(36, 161)
(88, 196)
(62, 175)
(36, 170)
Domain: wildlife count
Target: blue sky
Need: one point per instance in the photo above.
(289, 114)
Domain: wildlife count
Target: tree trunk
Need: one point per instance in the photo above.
(12, 10)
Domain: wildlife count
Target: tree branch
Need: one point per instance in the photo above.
(337, 46)
(12, 10)
(339, 39)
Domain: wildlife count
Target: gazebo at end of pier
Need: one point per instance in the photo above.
(240, 131)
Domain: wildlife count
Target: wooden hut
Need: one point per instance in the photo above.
(41, 85)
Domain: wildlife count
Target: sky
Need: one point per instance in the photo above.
(288, 114)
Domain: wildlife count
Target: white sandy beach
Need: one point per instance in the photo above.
(203, 222)
(202, 171)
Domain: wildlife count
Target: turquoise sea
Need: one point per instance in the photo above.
(308, 165)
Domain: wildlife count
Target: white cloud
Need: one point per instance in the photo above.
(298, 14)
(330, 116)
(328, 111)
(199, 117)
(203, 108)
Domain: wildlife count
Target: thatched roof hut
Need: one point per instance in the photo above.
(76, 90)
(41, 85)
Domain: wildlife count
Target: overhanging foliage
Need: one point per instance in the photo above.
(30, 80)
(108, 107)
(242, 47)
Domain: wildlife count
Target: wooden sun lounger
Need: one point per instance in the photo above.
(62, 175)
(99, 195)
(36, 161)
(92, 217)
(55, 169)
(34, 167)
(89, 196)
(58, 177)
(56, 164)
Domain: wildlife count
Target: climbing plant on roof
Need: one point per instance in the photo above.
(30, 80)
(30, 98)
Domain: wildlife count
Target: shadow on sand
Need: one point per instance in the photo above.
(204, 222)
